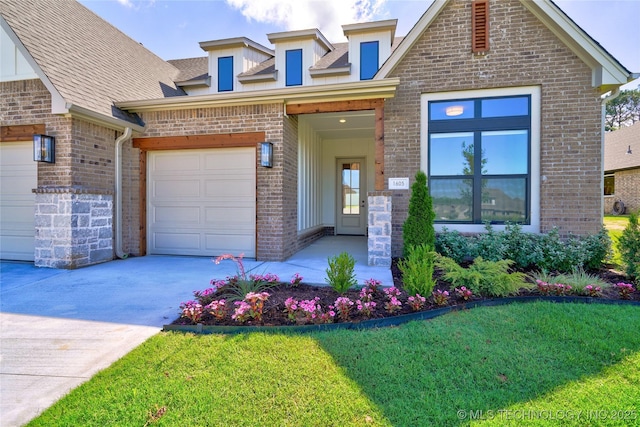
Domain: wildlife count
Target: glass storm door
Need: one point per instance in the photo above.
(351, 203)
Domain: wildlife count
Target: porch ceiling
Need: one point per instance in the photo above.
(358, 124)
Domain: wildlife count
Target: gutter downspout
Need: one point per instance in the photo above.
(119, 142)
(603, 114)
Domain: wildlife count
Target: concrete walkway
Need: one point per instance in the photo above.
(60, 327)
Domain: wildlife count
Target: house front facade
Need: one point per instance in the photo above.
(262, 150)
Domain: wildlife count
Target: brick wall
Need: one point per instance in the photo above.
(523, 52)
(276, 195)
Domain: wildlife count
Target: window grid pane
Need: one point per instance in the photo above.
(294, 67)
(225, 74)
(368, 60)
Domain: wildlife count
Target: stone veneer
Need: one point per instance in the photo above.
(73, 228)
(379, 240)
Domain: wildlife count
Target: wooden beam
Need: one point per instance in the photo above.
(143, 203)
(379, 150)
(20, 132)
(335, 107)
(223, 140)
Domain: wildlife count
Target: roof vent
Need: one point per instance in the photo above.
(480, 26)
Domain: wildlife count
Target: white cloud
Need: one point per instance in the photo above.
(326, 15)
(126, 3)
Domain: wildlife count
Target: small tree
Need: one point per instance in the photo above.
(418, 228)
(629, 244)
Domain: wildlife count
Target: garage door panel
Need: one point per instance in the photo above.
(169, 214)
(217, 218)
(165, 243)
(172, 188)
(18, 176)
(234, 244)
(167, 163)
(235, 218)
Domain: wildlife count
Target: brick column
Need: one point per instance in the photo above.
(379, 244)
(74, 228)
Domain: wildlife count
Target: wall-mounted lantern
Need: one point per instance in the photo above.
(266, 154)
(44, 148)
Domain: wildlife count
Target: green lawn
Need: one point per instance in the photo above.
(501, 364)
(614, 226)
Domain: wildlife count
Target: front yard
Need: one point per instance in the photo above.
(521, 364)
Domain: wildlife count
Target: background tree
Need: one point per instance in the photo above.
(624, 110)
(418, 228)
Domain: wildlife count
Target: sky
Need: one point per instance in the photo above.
(172, 29)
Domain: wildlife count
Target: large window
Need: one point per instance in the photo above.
(479, 159)
(225, 74)
(294, 67)
(368, 60)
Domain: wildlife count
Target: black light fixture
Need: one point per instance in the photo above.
(44, 148)
(266, 154)
(629, 150)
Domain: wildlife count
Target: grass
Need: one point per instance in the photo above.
(615, 225)
(538, 356)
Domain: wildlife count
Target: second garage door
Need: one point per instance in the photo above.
(202, 202)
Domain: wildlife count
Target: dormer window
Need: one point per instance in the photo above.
(369, 54)
(225, 74)
(293, 67)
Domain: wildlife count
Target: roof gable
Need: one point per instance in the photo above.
(84, 59)
(607, 72)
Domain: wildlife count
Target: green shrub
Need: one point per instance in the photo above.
(629, 246)
(522, 248)
(340, 275)
(597, 249)
(491, 245)
(490, 278)
(417, 271)
(418, 227)
(454, 245)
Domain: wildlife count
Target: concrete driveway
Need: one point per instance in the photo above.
(60, 327)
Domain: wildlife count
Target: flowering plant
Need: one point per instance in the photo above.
(593, 291)
(464, 293)
(416, 302)
(206, 296)
(560, 289)
(441, 297)
(217, 308)
(267, 278)
(306, 311)
(343, 307)
(372, 285)
(393, 305)
(365, 307)
(625, 290)
(251, 307)
(192, 310)
(296, 279)
(553, 288)
(392, 291)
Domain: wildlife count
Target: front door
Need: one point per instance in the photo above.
(351, 203)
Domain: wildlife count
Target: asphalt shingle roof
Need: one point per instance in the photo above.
(91, 63)
(191, 68)
(616, 145)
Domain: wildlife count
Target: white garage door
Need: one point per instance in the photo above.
(202, 202)
(18, 176)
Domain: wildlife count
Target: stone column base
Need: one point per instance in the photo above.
(379, 244)
(74, 228)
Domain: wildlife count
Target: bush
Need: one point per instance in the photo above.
(629, 246)
(417, 270)
(418, 227)
(490, 278)
(454, 245)
(340, 275)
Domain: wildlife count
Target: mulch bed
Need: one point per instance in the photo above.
(273, 314)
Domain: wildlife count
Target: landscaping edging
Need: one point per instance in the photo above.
(388, 321)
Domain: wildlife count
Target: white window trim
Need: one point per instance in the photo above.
(534, 92)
